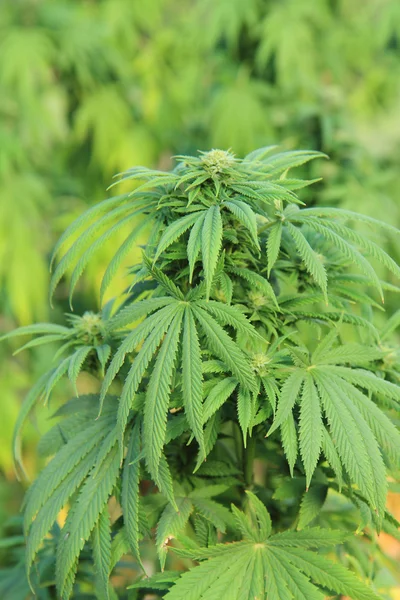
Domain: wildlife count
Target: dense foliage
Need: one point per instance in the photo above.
(90, 87)
(236, 424)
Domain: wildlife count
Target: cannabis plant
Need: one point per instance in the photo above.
(243, 421)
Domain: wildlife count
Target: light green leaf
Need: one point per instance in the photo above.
(175, 230)
(246, 216)
(158, 394)
(211, 239)
(310, 431)
(101, 542)
(130, 491)
(171, 523)
(192, 378)
(218, 396)
(273, 244)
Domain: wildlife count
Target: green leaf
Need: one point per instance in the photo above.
(256, 280)
(312, 537)
(27, 406)
(287, 399)
(289, 441)
(230, 315)
(192, 378)
(273, 244)
(263, 522)
(163, 481)
(81, 242)
(118, 257)
(136, 310)
(310, 258)
(175, 230)
(211, 239)
(37, 329)
(298, 585)
(276, 570)
(85, 217)
(217, 514)
(310, 431)
(360, 455)
(130, 491)
(222, 345)
(220, 577)
(246, 216)
(384, 430)
(101, 542)
(194, 244)
(330, 575)
(332, 456)
(158, 394)
(139, 367)
(54, 502)
(342, 213)
(218, 396)
(348, 250)
(171, 523)
(158, 581)
(368, 380)
(76, 362)
(70, 455)
(245, 411)
(84, 515)
(311, 504)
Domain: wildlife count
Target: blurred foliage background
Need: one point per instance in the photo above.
(91, 87)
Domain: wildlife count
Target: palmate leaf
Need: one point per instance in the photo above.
(351, 253)
(63, 463)
(158, 581)
(274, 567)
(50, 509)
(83, 517)
(355, 442)
(214, 512)
(282, 161)
(152, 330)
(357, 433)
(89, 252)
(83, 219)
(139, 367)
(78, 246)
